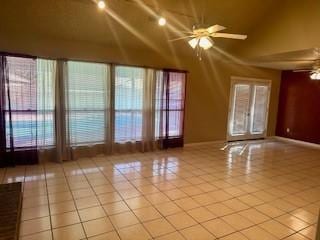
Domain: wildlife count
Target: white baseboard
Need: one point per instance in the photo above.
(299, 142)
(203, 143)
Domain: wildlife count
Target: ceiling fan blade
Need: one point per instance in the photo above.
(181, 38)
(294, 60)
(229, 35)
(215, 28)
(303, 70)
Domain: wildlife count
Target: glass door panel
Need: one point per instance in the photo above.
(248, 112)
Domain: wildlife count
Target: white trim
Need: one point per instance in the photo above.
(249, 79)
(204, 143)
(298, 142)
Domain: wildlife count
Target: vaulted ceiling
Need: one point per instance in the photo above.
(128, 23)
(277, 29)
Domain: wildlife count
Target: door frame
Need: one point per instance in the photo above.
(252, 82)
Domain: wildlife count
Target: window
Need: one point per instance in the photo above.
(87, 102)
(128, 103)
(21, 102)
(170, 93)
(29, 110)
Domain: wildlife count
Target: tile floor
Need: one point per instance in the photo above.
(262, 190)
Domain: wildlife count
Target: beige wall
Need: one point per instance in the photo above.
(208, 83)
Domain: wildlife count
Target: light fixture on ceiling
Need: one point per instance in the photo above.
(194, 42)
(101, 4)
(162, 21)
(203, 42)
(315, 75)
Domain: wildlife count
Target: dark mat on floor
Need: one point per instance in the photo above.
(10, 210)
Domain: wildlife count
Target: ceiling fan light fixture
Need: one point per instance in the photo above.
(101, 4)
(205, 43)
(194, 42)
(315, 75)
(162, 21)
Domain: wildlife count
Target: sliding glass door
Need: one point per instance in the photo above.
(248, 111)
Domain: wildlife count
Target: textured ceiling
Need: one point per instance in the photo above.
(128, 23)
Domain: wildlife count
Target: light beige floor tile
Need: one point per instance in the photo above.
(191, 190)
(60, 197)
(116, 207)
(157, 198)
(219, 209)
(106, 236)
(171, 236)
(292, 222)
(234, 236)
(201, 214)
(138, 202)
(197, 233)
(283, 205)
(136, 232)
(201, 181)
(34, 201)
(256, 232)
(305, 216)
(236, 204)
(296, 236)
(64, 219)
(220, 195)
(270, 210)
(124, 219)
(87, 202)
(309, 232)
(73, 232)
(204, 199)
(237, 221)
(82, 193)
(250, 200)
(277, 229)
(91, 213)
(147, 214)
(34, 226)
(254, 215)
(58, 208)
(175, 194)
(168, 208)
(109, 197)
(47, 235)
(181, 220)
(187, 203)
(35, 212)
(159, 227)
(218, 228)
(97, 226)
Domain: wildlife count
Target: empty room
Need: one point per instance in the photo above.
(159, 120)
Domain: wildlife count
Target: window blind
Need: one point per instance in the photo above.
(21, 102)
(46, 73)
(86, 95)
(128, 103)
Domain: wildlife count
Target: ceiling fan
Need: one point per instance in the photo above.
(202, 38)
(315, 68)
